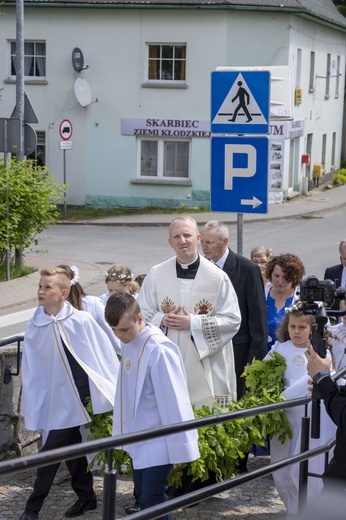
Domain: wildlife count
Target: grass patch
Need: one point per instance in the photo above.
(15, 271)
(75, 213)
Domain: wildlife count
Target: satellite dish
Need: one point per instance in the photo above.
(77, 59)
(82, 92)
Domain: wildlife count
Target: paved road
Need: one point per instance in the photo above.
(314, 240)
(257, 500)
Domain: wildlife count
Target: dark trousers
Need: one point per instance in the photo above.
(240, 360)
(334, 477)
(151, 486)
(81, 478)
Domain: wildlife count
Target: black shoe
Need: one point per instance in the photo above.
(81, 506)
(29, 515)
(133, 509)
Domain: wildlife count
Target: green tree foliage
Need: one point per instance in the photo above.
(341, 6)
(28, 203)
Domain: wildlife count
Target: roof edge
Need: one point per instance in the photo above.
(145, 4)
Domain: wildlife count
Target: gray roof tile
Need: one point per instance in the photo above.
(321, 9)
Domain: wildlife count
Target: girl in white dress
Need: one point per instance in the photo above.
(119, 278)
(294, 335)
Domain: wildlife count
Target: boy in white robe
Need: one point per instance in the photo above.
(67, 358)
(151, 392)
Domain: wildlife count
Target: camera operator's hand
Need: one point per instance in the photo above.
(316, 364)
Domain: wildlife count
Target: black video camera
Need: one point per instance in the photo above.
(313, 291)
(317, 298)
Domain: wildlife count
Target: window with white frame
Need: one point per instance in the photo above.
(327, 92)
(337, 81)
(309, 139)
(166, 63)
(333, 149)
(298, 68)
(312, 72)
(324, 148)
(34, 60)
(163, 159)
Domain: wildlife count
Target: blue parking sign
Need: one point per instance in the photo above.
(239, 174)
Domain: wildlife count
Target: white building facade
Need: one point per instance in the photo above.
(143, 138)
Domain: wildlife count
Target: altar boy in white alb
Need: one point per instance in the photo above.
(67, 358)
(151, 392)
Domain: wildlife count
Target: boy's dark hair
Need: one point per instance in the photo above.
(118, 304)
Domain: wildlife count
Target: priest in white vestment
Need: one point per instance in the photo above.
(194, 302)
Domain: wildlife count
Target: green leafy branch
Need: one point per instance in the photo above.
(221, 445)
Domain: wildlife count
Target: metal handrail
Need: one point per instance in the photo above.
(78, 450)
(8, 368)
(109, 443)
(109, 490)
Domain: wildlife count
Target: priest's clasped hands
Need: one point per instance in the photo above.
(174, 320)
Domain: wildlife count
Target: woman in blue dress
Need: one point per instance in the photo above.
(285, 272)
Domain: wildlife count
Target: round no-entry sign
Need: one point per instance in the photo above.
(65, 129)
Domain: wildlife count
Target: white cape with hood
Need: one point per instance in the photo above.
(50, 398)
(152, 392)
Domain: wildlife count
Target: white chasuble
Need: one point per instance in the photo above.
(206, 349)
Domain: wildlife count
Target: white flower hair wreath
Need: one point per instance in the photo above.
(75, 278)
(298, 306)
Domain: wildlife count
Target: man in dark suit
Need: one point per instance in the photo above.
(251, 339)
(337, 273)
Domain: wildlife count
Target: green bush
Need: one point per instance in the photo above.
(340, 177)
(28, 204)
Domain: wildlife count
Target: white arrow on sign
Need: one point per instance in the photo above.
(254, 202)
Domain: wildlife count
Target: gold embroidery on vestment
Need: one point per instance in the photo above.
(203, 307)
(167, 305)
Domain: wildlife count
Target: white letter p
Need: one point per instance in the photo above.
(231, 171)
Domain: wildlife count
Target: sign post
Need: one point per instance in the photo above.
(240, 110)
(65, 131)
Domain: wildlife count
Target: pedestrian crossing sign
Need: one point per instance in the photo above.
(240, 102)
